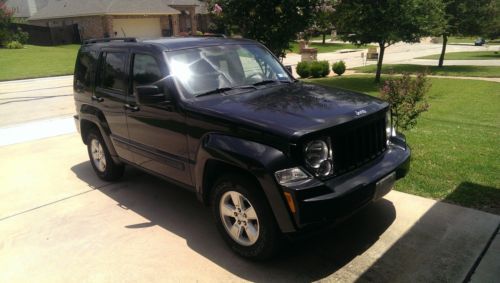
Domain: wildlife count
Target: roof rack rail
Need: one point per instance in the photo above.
(109, 39)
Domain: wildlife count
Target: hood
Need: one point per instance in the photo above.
(290, 110)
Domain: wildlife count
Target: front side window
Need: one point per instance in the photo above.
(204, 69)
(113, 71)
(146, 70)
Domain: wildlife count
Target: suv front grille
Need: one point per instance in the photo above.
(357, 145)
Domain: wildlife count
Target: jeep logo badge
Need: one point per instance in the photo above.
(360, 112)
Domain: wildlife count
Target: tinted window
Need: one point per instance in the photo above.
(112, 71)
(146, 70)
(85, 68)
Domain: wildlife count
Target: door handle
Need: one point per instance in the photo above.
(132, 108)
(98, 99)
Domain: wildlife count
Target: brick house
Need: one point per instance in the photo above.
(120, 18)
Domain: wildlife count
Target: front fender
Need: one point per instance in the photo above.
(258, 159)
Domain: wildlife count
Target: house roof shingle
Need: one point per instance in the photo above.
(77, 8)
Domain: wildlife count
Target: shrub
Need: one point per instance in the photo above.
(339, 68)
(304, 69)
(20, 36)
(316, 69)
(14, 45)
(326, 68)
(407, 97)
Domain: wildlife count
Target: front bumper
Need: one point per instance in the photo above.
(319, 202)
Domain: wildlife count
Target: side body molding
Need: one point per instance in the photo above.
(258, 159)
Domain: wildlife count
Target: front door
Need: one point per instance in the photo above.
(111, 96)
(157, 131)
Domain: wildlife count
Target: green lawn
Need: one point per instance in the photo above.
(37, 61)
(478, 55)
(324, 48)
(464, 71)
(455, 145)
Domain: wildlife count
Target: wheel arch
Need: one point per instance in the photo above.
(220, 154)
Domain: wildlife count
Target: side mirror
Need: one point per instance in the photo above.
(150, 94)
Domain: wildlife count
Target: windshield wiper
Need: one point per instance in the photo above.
(217, 90)
(265, 82)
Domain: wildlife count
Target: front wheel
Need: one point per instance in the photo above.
(244, 217)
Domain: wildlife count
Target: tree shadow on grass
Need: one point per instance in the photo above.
(477, 196)
(179, 212)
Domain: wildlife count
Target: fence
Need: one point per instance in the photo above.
(39, 35)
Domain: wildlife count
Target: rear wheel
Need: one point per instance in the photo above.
(101, 160)
(244, 218)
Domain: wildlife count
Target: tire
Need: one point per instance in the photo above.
(259, 233)
(102, 163)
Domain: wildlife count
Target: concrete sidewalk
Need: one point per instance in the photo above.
(59, 223)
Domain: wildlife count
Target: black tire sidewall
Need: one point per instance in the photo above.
(267, 243)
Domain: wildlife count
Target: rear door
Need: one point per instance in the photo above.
(111, 96)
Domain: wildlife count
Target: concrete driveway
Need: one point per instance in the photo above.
(59, 223)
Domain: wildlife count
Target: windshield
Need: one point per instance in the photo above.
(212, 69)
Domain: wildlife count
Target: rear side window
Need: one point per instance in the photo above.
(85, 68)
(146, 70)
(112, 72)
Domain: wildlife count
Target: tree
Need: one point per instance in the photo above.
(387, 22)
(324, 17)
(467, 18)
(272, 22)
(5, 21)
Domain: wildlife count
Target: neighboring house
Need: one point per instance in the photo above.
(26, 8)
(120, 18)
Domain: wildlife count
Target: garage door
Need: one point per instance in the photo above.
(141, 28)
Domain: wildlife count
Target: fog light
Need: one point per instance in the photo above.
(291, 176)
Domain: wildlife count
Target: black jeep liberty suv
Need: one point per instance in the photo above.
(223, 118)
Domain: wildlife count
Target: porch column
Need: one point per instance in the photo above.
(194, 24)
(175, 23)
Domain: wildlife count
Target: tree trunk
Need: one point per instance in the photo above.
(443, 51)
(324, 37)
(380, 60)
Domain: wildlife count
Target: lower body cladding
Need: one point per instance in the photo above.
(318, 203)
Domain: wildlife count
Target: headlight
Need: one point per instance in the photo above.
(318, 157)
(389, 130)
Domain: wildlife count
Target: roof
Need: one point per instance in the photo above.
(176, 43)
(78, 8)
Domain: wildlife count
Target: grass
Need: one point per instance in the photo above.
(324, 48)
(460, 39)
(460, 71)
(455, 145)
(478, 55)
(37, 61)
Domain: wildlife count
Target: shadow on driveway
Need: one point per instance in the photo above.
(179, 212)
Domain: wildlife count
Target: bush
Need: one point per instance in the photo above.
(304, 69)
(339, 68)
(326, 68)
(14, 45)
(316, 69)
(20, 36)
(407, 98)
